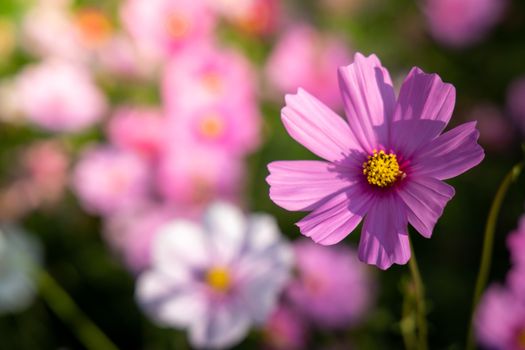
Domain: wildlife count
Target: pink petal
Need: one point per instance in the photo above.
(423, 110)
(369, 100)
(317, 127)
(425, 199)
(337, 217)
(449, 155)
(384, 237)
(300, 185)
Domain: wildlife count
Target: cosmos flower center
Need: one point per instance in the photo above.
(211, 126)
(94, 26)
(382, 169)
(212, 82)
(218, 278)
(521, 339)
(177, 25)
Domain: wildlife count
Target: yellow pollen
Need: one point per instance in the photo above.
(211, 126)
(177, 26)
(218, 279)
(382, 169)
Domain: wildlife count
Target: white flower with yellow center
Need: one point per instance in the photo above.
(218, 278)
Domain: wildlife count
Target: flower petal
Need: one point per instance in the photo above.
(337, 217)
(369, 100)
(301, 185)
(422, 111)
(317, 127)
(425, 199)
(384, 237)
(449, 155)
(225, 325)
(180, 246)
(169, 302)
(226, 226)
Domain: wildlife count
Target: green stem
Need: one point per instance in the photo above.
(486, 256)
(66, 309)
(408, 320)
(419, 293)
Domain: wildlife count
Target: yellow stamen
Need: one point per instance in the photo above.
(382, 169)
(218, 279)
(177, 26)
(211, 126)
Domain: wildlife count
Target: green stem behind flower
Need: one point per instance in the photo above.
(488, 242)
(66, 309)
(419, 293)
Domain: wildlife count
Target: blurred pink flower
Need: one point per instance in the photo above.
(140, 130)
(191, 176)
(259, 17)
(218, 278)
(304, 58)
(459, 23)
(495, 129)
(500, 319)
(59, 96)
(516, 280)
(163, 27)
(387, 162)
(516, 243)
(331, 288)
(107, 180)
(232, 128)
(516, 102)
(46, 166)
(57, 20)
(207, 75)
(285, 330)
(131, 232)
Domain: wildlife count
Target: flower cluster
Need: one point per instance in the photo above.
(500, 317)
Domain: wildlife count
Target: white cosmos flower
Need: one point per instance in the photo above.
(218, 278)
(20, 255)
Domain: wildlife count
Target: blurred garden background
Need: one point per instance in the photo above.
(119, 116)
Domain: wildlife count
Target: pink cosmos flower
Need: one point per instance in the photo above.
(500, 319)
(138, 129)
(194, 179)
(162, 27)
(285, 329)
(516, 102)
(218, 278)
(107, 180)
(59, 96)
(330, 289)
(230, 127)
(314, 71)
(516, 243)
(207, 75)
(386, 164)
(460, 23)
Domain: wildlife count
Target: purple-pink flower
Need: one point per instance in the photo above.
(500, 319)
(330, 289)
(459, 23)
(385, 164)
(59, 96)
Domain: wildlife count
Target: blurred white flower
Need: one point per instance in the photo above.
(20, 255)
(216, 279)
